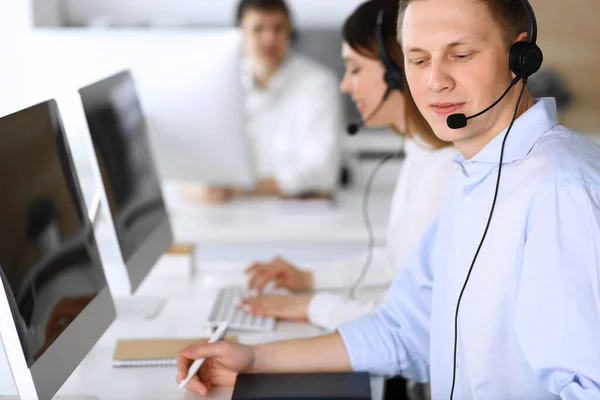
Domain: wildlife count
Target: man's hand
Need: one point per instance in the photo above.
(223, 361)
(210, 194)
(266, 187)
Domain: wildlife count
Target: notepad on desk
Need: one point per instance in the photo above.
(151, 352)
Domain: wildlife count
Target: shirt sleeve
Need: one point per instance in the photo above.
(394, 340)
(318, 130)
(343, 273)
(557, 315)
(328, 310)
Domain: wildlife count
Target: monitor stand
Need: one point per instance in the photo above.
(150, 307)
(138, 307)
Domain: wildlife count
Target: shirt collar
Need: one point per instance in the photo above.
(526, 131)
(276, 82)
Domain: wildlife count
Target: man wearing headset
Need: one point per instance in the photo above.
(501, 299)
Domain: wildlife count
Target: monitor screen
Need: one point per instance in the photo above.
(49, 263)
(118, 130)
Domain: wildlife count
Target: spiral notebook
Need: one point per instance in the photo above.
(135, 353)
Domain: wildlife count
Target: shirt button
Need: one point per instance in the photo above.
(458, 252)
(468, 199)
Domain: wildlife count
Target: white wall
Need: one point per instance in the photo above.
(14, 25)
(197, 12)
(47, 12)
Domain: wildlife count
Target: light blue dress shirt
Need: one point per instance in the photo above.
(529, 322)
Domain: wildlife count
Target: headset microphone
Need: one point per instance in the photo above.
(459, 121)
(353, 128)
(524, 59)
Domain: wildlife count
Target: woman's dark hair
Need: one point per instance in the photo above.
(359, 32)
(359, 29)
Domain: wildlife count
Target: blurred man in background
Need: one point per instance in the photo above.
(293, 109)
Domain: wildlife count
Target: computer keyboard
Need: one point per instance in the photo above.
(226, 308)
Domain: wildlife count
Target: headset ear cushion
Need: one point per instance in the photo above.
(395, 80)
(525, 59)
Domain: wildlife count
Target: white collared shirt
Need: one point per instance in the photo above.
(417, 197)
(294, 125)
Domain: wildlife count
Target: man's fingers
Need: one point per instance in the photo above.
(202, 381)
(202, 350)
(196, 386)
(183, 366)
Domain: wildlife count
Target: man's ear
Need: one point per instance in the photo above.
(522, 37)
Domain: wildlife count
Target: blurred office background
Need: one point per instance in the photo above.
(568, 35)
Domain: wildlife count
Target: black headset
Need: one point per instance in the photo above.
(526, 57)
(394, 77)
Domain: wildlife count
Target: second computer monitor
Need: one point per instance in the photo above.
(118, 130)
(194, 99)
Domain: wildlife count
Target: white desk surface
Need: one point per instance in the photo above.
(189, 302)
(267, 220)
(260, 228)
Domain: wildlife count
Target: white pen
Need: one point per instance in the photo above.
(218, 335)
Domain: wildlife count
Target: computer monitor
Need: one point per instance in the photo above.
(136, 206)
(194, 100)
(189, 87)
(54, 300)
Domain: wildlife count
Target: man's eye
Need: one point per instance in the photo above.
(462, 57)
(418, 62)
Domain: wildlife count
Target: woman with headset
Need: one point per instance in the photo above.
(370, 75)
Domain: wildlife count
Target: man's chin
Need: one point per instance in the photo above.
(443, 132)
(269, 62)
